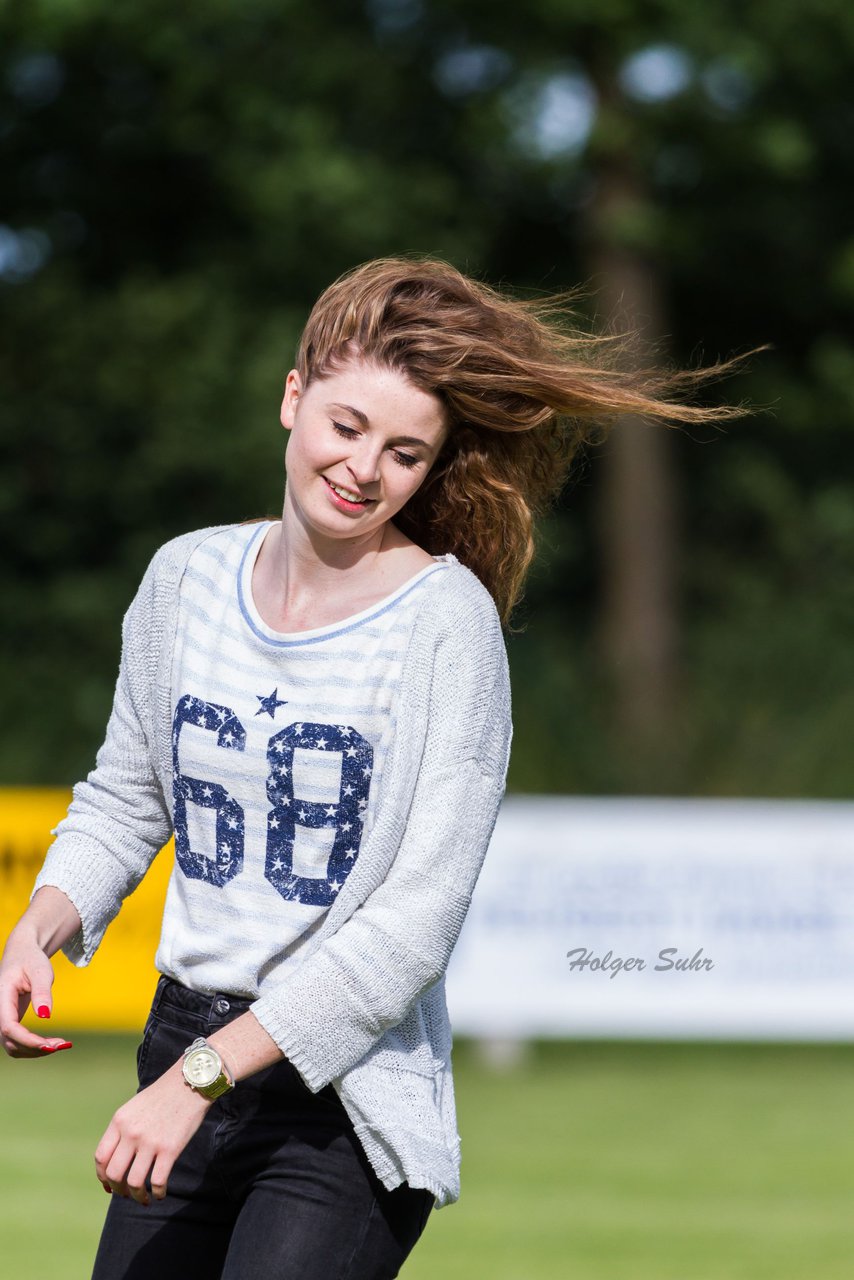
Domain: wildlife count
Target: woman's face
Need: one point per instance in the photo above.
(362, 441)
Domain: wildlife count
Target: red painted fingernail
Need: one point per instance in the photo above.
(43, 1011)
(54, 1048)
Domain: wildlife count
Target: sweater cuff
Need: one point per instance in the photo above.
(70, 868)
(268, 1012)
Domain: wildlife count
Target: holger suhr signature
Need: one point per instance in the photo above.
(581, 959)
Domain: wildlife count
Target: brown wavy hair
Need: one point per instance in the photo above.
(523, 390)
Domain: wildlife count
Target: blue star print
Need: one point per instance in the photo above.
(227, 860)
(345, 816)
(270, 703)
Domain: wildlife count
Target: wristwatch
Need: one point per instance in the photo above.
(205, 1071)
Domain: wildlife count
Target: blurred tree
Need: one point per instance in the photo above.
(717, 133)
(180, 183)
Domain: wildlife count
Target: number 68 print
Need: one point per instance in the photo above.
(288, 811)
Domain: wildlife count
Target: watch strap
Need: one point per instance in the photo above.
(221, 1085)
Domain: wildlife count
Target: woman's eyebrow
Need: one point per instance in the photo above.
(365, 421)
(349, 408)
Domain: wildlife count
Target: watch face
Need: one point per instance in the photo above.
(202, 1067)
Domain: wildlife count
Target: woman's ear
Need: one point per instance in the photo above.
(293, 391)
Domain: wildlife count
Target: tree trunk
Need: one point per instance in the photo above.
(638, 522)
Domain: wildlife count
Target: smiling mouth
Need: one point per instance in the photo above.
(348, 496)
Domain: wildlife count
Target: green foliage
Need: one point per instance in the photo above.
(179, 183)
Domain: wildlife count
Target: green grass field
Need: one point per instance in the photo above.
(589, 1161)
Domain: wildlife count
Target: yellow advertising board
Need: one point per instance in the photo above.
(114, 992)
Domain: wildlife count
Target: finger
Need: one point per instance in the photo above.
(44, 1050)
(160, 1174)
(21, 1043)
(117, 1169)
(18, 1041)
(113, 1157)
(105, 1150)
(136, 1177)
(13, 988)
(18, 1051)
(41, 987)
(16, 1037)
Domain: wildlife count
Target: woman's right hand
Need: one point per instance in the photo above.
(26, 973)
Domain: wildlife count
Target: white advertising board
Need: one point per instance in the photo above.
(661, 918)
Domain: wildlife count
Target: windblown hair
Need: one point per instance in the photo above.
(522, 390)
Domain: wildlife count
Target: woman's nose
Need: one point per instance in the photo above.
(364, 466)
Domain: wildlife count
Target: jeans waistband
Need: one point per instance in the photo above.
(219, 1006)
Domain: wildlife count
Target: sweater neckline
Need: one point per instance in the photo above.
(264, 632)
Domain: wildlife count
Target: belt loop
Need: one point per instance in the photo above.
(158, 994)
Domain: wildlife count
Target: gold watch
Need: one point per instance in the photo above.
(205, 1071)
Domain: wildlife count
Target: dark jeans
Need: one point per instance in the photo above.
(274, 1184)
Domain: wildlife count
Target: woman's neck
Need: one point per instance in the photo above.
(302, 580)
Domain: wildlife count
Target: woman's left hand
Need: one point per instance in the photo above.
(146, 1136)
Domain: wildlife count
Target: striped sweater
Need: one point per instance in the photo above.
(355, 996)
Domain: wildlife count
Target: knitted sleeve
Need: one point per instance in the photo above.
(118, 819)
(362, 980)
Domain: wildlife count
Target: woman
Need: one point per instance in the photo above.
(319, 708)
